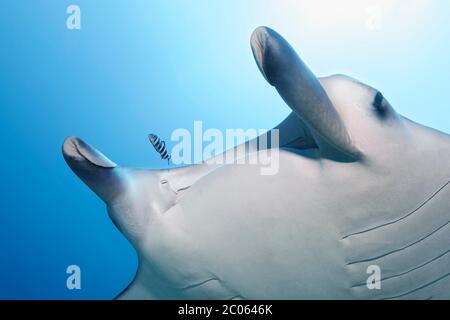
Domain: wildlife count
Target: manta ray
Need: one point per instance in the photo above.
(358, 187)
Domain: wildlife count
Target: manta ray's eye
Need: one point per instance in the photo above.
(380, 104)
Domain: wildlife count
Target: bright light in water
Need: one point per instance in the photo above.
(349, 12)
(371, 15)
(350, 28)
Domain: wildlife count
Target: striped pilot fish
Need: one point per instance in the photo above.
(160, 146)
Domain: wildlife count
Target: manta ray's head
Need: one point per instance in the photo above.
(347, 120)
(344, 116)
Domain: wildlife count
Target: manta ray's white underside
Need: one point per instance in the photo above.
(357, 186)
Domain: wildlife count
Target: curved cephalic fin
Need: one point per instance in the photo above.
(301, 90)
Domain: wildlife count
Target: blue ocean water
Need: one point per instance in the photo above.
(137, 67)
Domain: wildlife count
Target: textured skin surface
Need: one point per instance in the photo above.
(357, 185)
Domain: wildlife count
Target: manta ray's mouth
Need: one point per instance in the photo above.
(76, 151)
